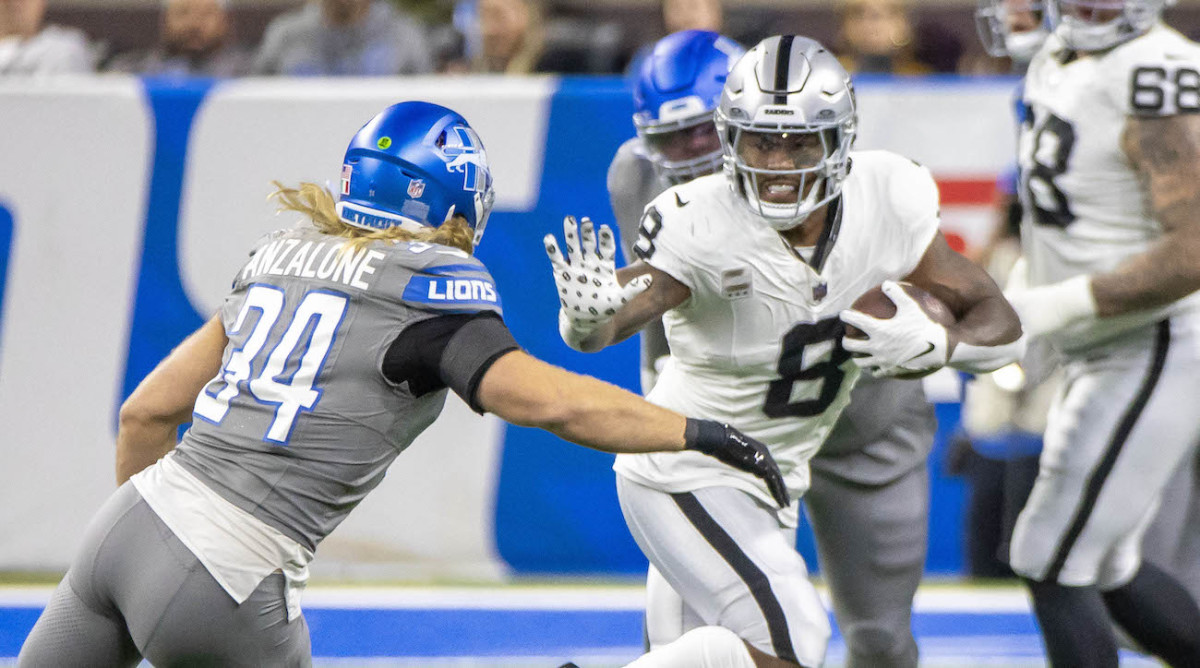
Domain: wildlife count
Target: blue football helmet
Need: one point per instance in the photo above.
(415, 164)
(674, 96)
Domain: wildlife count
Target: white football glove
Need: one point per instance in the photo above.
(905, 343)
(1048, 308)
(587, 279)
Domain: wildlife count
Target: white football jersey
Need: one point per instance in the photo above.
(1086, 210)
(758, 343)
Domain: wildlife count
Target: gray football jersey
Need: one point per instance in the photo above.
(888, 422)
(300, 423)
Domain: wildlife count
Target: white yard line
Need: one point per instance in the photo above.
(933, 599)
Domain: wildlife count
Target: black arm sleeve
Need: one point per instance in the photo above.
(448, 351)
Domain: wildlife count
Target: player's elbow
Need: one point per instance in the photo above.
(527, 392)
(137, 414)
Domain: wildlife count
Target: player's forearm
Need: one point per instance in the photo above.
(987, 337)
(989, 322)
(1167, 272)
(608, 418)
(142, 442)
(529, 392)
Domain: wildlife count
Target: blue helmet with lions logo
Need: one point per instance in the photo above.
(415, 164)
(674, 95)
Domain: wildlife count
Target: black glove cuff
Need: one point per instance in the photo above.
(703, 435)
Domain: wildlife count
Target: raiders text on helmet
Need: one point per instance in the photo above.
(788, 85)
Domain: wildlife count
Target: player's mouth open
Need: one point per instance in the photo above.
(784, 191)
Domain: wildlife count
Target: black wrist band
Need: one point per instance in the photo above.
(703, 435)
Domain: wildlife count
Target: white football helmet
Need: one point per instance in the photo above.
(1012, 28)
(788, 88)
(1095, 25)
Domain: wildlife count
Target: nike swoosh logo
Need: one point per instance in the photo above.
(679, 202)
(923, 352)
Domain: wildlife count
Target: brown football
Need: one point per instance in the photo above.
(875, 303)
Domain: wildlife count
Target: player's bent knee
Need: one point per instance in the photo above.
(874, 646)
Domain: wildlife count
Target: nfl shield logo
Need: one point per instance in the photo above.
(346, 172)
(819, 291)
(416, 188)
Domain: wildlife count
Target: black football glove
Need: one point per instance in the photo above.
(739, 451)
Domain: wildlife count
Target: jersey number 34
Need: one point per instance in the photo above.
(288, 377)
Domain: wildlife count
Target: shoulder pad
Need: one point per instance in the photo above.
(1157, 74)
(448, 280)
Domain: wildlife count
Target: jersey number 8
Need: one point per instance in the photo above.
(792, 370)
(1048, 158)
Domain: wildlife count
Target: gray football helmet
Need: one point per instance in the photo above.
(1095, 25)
(787, 88)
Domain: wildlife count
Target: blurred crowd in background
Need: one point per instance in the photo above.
(399, 37)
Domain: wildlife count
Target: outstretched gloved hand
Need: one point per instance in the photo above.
(587, 279)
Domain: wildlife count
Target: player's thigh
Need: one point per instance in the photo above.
(731, 562)
(1114, 437)
(70, 633)
(667, 616)
(82, 624)
(174, 610)
(872, 543)
(203, 625)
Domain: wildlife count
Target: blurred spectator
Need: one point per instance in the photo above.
(195, 40)
(692, 15)
(938, 46)
(876, 36)
(680, 15)
(511, 36)
(344, 37)
(29, 47)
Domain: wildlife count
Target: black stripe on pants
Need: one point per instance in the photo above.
(752, 575)
(1162, 343)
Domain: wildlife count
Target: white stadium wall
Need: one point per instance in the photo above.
(125, 207)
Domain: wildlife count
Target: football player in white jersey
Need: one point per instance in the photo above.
(754, 271)
(870, 472)
(1110, 158)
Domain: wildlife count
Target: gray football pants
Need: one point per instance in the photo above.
(871, 541)
(134, 590)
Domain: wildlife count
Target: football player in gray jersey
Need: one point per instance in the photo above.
(870, 487)
(334, 350)
(755, 272)
(1110, 159)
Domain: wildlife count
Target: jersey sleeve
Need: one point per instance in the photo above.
(453, 350)
(1157, 75)
(445, 282)
(627, 175)
(666, 239)
(916, 204)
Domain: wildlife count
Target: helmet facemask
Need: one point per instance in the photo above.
(1011, 28)
(786, 173)
(682, 150)
(1095, 25)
